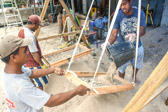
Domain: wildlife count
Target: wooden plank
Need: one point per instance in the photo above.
(59, 35)
(102, 90)
(60, 51)
(59, 63)
(69, 14)
(158, 92)
(42, 16)
(112, 89)
(85, 41)
(151, 84)
(65, 49)
(74, 24)
(75, 80)
(83, 47)
(89, 74)
(121, 79)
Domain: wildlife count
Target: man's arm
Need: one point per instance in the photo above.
(64, 97)
(142, 31)
(113, 36)
(36, 73)
(37, 58)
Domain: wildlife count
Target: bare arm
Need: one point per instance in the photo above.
(42, 72)
(37, 58)
(142, 31)
(113, 36)
(64, 97)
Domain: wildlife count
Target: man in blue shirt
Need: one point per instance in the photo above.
(125, 29)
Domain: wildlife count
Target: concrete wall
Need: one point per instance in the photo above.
(164, 20)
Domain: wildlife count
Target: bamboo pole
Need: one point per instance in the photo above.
(151, 84)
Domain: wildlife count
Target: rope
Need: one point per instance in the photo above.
(79, 37)
(137, 40)
(73, 73)
(107, 38)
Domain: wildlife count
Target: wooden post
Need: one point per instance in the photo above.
(151, 84)
(72, 19)
(42, 16)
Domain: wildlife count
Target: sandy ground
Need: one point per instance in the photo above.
(155, 46)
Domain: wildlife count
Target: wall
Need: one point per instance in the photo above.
(164, 20)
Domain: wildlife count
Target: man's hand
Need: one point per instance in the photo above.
(131, 36)
(59, 71)
(102, 45)
(82, 90)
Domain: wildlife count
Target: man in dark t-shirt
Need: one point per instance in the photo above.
(125, 29)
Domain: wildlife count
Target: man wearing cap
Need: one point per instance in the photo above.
(34, 51)
(21, 94)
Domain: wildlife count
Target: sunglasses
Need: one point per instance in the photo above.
(29, 22)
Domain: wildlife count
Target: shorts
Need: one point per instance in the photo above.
(139, 64)
(41, 81)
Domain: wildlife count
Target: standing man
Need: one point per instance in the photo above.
(126, 28)
(21, 94)
(34, 51)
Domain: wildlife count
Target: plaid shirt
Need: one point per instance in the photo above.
(31, 62)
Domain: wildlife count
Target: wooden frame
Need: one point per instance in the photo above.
(101, 90)
(61, 62)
